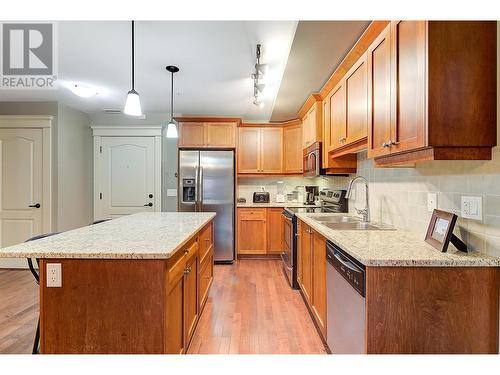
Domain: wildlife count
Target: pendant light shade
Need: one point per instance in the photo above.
(172, 127)
(172, 130)
(133, 102)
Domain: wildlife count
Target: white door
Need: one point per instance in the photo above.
(21, 188)
(127, 176)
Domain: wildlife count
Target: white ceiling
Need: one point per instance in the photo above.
(215, 58)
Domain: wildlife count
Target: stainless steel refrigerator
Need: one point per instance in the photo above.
(206, 184)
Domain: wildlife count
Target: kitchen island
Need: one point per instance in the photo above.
(136, 284)
(416, 298)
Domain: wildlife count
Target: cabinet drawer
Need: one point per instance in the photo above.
(206, 241)
(206, 277)
(252, 213)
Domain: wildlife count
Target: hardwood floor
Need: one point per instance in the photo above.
(18, 311)
(250, 309)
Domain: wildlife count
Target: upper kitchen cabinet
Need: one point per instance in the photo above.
(311, 115)
(442, 99)
(356, 93)
(271, 150)
(292, 149)
(207, 133)
(249, 150)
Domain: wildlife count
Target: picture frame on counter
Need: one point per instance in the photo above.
(440, 231)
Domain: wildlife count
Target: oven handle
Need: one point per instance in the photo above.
(284, 259)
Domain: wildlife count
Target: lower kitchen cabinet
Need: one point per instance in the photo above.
(311, 259)
(206, 268)
(259, 231)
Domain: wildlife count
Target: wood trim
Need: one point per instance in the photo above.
(207, 119)
(371, 32)
(434, 153)
(16, 121)
(293, 122)
(310, 101)
(352, 148)
(127, 131)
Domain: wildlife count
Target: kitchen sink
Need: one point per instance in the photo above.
(350, 223)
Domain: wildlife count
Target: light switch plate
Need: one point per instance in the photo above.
(472, 207)
(171, 192)
(54, 275)
(431, 201)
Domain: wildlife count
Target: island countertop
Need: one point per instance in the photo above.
(396, 248)
(148, 235)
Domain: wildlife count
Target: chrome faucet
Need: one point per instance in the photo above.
(366, 211)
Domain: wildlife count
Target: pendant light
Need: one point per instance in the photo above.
(133, 102)
(171, 127)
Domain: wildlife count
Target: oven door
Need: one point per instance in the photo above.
(286, 254)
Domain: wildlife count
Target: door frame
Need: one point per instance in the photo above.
(45, 124)
(99, 131)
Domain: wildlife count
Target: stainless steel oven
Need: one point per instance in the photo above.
(312, 160)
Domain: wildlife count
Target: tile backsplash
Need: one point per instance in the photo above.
(398, 196)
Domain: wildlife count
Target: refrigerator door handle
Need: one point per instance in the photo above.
(197, 189)
(201, 188)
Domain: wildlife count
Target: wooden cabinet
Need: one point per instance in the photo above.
(312, 124)
(260, 150)
(206, 263)
(356, 93)
(318, 304)
(379, 94)
(299, 252)
(306, 253)
(190, 295)
(201, 133)
(292, 149)
(433, 114)
(252, 231)
(271, 150)
(259, 231)
(274, 230)
(311, 260)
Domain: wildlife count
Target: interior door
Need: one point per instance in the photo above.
(21, 189)
(128, 178)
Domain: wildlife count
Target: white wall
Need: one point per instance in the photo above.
(74, 166)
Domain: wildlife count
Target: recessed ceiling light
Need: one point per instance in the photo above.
(83, 91)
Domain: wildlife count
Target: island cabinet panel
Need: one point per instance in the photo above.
(174, 324)
(319, 281)
(104, 306)
(206, 277)
(432, 310)
(306, 255)
(191, 303)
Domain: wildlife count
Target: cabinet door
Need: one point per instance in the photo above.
(299, 252)
(326, 131)
(191, 134)
(306, 262)
(306, 131)
(357, 102)
(319, 280)
(408, 54)
(252, 231)
(379, 94)
(190, 297)
(221, 134)
(175, 310)
(206, 241)
(249, 150)
(309, 126)
(274, 230)
(337, 117)
(292, 149)
(271, 150)
(205, 278)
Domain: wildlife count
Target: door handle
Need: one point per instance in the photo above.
(36, 205)
(148, 204)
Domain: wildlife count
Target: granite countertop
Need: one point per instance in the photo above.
(274, 204)
(147, 235)
(396, 248)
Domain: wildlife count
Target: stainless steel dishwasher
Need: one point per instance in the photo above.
(345, 283)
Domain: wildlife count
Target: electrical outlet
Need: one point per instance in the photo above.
(54, 275)
(431, 201)
(472, 208)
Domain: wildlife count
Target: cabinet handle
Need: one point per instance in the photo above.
(393, 143)
(386, 144)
